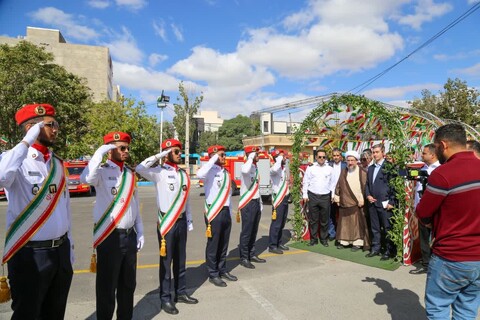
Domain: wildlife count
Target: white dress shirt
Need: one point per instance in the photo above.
(21, 169)
(248, 176)
(105, 178)
(213, 175)
(318, 179)
(419, 187)
(278, 174)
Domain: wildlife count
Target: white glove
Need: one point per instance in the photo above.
(140, 242)
(251, 156)
(162, 154)
(189, 225)
(280, 158)
(32, 133)
(98, 155)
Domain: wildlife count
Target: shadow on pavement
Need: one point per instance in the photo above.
(402, 304)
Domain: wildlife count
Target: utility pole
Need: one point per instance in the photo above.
(187, 137)
(162, 102)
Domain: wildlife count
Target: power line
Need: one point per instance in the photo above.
(368, 82)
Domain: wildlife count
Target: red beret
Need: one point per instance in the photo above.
(30, 111)
(116, 136)
(249, 149)
(276, 152)
(170, 143)
(216, 148)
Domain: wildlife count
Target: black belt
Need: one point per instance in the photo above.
(54, 243)
(124, 231)
(162, 214)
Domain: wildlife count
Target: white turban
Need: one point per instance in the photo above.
(352, 153)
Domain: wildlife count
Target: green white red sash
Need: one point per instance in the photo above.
(120, 203)
(282, 192)
(222, 196)
(37, 212)
(166, 222)
(248, 195)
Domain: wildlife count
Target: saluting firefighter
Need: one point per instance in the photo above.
(118, 228)
(280, 177)
(38, 243)
(174, 218)
(250, 206)
(218, 191)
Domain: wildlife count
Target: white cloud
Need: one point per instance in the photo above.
(177, 32)
(124, 48)
(156, 58)
(131, 4)
(457, 56)
(139, 78)
(159, 29)
(473, 71)
(99, 4)
(399, 91)
(425, 11)
(67, 23)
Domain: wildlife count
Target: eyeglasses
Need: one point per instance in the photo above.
(53, 124)
(322, 157)
(123, 148)
(177, 151)
(221, 154)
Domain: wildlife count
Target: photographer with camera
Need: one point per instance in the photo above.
(431, 163)
(452, 201)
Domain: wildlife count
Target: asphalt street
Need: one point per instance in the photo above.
(295, 285)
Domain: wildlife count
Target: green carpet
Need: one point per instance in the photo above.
(347, 254)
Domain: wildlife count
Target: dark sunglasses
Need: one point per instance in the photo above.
(53, 124)
(176, 151)
(123, 148)
(322, 157)
(221, 154)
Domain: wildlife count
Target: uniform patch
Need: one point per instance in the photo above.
(114, 191)
(52, 188)
(184, 188)
(171, 187)
(35, 189)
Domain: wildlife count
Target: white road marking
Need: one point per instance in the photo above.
(266, 305)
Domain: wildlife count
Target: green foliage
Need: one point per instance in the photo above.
(399, 149)
(123, 116)
(457, 102)
(206, 140)
(181, 110)
(232, 131)
(27, 75)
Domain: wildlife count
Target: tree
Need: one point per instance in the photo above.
(181, 110)
(123, 116)
(232, 131)
(207, 139)
(457, 102)
(27, 75)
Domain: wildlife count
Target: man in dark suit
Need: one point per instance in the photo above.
(381, 199)
(338, 165)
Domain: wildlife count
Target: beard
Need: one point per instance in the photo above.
(440, 156)
(44, 141)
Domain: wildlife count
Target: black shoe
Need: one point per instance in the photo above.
(312, 243)
(355, 248)
(339, 246)
(217, 281)
(275, 250)
(169, 308)
(284, 247)
(257, 259)
(385, 257)
(420, 270)
(324, 243)
(185, 298)
(372, 254)
(331, 238)
(228, 276)
(247, 264)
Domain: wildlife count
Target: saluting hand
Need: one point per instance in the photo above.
(252, 156)
(33, 132)
(162, 154)
(98, 155)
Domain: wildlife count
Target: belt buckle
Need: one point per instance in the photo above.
(53, 244)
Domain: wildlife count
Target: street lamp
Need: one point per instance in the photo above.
(162, 102)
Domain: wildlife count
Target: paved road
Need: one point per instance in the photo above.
(296, 285)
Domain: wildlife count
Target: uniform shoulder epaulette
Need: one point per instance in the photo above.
(104, 165)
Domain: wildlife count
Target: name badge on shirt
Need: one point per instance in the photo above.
(52, 188)
(34, 173)
(112, 178)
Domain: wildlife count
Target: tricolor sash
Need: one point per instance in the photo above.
(37, 212)
(166, 222)
(282, 192)
(248, 195)
(117, 208)
(222, 196)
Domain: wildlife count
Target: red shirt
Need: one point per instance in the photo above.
(452, 200)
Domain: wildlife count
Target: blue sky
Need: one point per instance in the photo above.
(245, 55)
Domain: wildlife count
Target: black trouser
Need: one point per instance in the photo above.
(176, 247)
(40, 279)
(380, 223)
(116, 274)
(217, 245)
(318, 211)
(277, 225)
(251, 215)
(425, 243)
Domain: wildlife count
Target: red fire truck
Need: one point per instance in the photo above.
(75, 168)
(234, 167)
